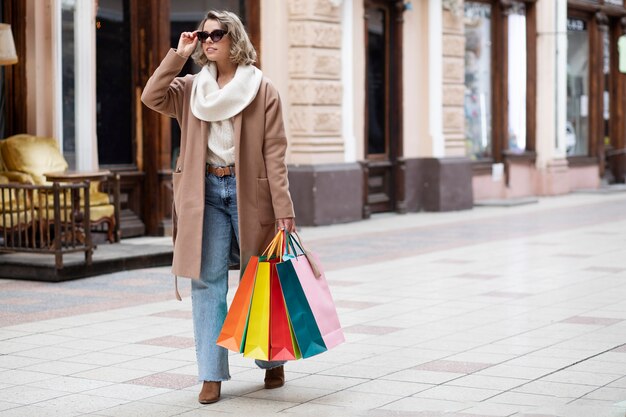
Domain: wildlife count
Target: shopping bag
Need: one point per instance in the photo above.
(257, 332)
(306, 331)
(281, 335)
(320, 300)
(318, 294)
(232, 336)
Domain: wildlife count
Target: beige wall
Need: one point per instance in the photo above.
(416, 139)
(453, 84)
(313, 62)
(275, 52)
(358, 81)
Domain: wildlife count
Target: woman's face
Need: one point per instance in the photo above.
(216, 51)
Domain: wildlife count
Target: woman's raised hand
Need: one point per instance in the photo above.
(187, 44)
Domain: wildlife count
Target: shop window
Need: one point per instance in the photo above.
(68, 139)
(478, 56)
(496, 79)
(577, 126)
(517, 66)
(114, 107)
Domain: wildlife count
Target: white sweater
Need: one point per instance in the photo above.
(221, 143)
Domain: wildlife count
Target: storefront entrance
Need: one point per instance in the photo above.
(382, 112)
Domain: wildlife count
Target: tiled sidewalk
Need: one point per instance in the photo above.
(517, 311)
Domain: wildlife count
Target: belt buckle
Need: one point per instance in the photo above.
(220, 171)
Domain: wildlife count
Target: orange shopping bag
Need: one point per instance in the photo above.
(233, 332)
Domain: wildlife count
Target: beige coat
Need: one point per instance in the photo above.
(260, 145)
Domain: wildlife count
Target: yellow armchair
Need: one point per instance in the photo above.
(26, 159)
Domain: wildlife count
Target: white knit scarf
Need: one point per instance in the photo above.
(212, 104)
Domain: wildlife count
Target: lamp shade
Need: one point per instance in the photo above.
(8, 56)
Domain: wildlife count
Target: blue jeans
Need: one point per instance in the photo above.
(208, 295)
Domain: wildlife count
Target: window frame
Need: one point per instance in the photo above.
(499, 83)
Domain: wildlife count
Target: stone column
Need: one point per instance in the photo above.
(315, 90)
(454, 81)
(552, 166)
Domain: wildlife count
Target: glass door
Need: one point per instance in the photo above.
(378, 141)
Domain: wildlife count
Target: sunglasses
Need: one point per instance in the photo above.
(215, 36)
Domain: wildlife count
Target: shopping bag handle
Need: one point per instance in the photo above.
(314, 267)
(275, 248)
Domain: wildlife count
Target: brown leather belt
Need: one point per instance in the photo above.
(221, 171)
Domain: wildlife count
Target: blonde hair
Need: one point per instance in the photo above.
(241, 50)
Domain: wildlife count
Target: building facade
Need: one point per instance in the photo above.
(389, 105)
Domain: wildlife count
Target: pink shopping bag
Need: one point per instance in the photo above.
(319, 297)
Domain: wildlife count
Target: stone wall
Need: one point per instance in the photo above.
(315, 89)
(454, 83)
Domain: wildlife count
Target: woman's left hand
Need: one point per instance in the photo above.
(288, 224)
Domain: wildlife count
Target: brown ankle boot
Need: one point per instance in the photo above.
(275, 377)
(210, 392)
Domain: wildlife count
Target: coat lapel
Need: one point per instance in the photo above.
(237, 133)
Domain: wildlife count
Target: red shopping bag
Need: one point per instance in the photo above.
(281, 335)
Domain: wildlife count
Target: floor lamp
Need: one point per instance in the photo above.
(8, 56)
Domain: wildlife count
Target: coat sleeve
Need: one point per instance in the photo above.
(274, 150)
(164, 91)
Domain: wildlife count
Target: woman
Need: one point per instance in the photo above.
(230, 181)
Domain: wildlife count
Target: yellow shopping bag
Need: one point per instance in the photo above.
(257, 336)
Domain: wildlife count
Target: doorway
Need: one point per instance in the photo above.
(383, 46)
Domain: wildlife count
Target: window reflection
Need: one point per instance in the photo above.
(577, 126)
(478, 112)
(517, 78)
(68, 9)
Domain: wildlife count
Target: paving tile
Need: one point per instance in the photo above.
(289, 393)
(599, 321)
(79, 404)
(397, 388)
(126, 391)
(607, 394)
(8, 405)
(583, 378)
(100, 358)
(356, 400)
(28, 395)
(367, 329)
(35, 410)
(507, 294)
(477, 276)
(359, 371)
(355, 305)
(520, 372)
(113, 374)
(59, 367)
(8, 346)
(605, 269)
(412, 404)
(422, 377)
(457, 367)
(144, 409)
(139, 350)
(556, 389)
(327, 382)
(166, 380)
(14, 361)
(21, 377)
(69, 384)
(171, 341)
(175, 314)
(464, 394)
(518, 398)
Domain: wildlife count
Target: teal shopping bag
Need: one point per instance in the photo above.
(305, 328)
